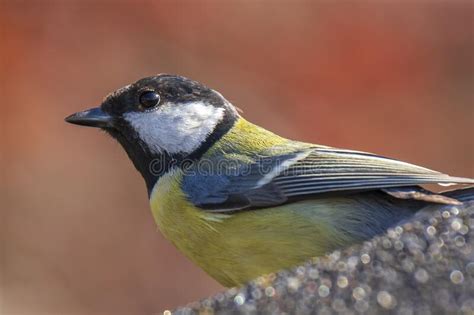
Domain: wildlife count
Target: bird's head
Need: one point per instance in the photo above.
(161, 119)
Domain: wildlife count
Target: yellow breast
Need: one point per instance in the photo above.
(236, 248)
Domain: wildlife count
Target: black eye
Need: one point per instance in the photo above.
(149, 99)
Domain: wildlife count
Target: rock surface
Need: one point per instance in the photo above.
(424, 266)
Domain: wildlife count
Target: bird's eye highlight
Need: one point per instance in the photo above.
(149, 99)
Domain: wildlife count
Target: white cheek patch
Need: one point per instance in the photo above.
(176, 128)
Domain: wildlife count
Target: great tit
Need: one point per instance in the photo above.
(241, 201)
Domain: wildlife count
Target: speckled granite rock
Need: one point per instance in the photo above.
(425, 266)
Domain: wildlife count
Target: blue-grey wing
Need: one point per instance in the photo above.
(270, 180)
(237, 183)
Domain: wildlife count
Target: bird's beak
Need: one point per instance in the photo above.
(93, 117)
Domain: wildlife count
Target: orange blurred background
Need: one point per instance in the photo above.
(394, 78)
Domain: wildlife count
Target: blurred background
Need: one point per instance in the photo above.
(394, 78)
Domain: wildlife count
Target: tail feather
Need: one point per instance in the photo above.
(461, 194)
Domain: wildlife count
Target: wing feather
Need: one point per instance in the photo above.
(330, 170)
(305, 173)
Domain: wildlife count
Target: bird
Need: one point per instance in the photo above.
(240, 201)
